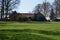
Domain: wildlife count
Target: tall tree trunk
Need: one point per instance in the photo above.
(2, 9)
(6, 13)
(6, 9)
(56, 8)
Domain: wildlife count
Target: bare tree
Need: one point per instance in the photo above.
(56, 6)
(38, 8)
(7, 6)
(46, 7)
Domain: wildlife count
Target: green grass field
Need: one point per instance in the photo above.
(29, 30)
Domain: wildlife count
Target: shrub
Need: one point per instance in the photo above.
(22, 18)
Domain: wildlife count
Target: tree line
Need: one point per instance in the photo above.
(47, 9)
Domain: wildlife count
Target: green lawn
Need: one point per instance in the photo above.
(29, 30)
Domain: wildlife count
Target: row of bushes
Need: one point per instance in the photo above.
(22, 18)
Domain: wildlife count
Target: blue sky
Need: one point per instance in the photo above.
(28, 5)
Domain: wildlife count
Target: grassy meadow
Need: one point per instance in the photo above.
(29, 30)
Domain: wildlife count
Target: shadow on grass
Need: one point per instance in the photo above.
(30, 37)
(33, 31)
(42, 32)
(3, 23)
(23, 36)
(3, 37)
